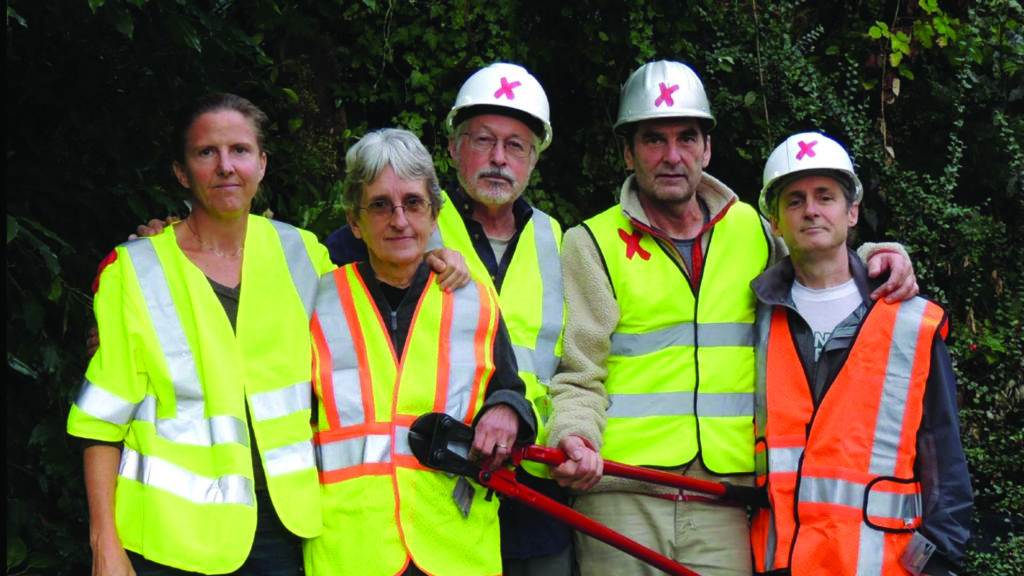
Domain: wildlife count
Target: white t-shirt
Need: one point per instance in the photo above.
(825, 308)
(499, 247)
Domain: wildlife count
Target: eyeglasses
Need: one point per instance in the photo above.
(514, 147)
(383, 208)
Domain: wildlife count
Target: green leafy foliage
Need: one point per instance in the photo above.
(926, 95)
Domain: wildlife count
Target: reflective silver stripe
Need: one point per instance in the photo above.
(462, 364)
(888, 429)
(896, 387)
(708, 334)
(304, 275)
(771, 542)
(762, 327)
(680, 404)
(287, 459)
(846, 493)
(870, 551)
(348, 396)
(784, 459)
(163, 475)
(402, 441)
(156, 292)
(524, 359)
(280, 402)
(370, 449)
(831, 491)
(99, 403)
(891, 505)
(545, 361)
(222, 429)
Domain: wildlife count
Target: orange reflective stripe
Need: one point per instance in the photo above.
(487, 326)
(368, 469)
(358, 340)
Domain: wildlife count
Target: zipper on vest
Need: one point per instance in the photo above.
(394, 320)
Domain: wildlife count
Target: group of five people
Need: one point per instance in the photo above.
(691, 343)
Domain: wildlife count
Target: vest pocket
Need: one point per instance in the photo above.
(892, 504)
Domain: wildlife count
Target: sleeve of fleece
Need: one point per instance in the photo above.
(869, 249)
(941, 466)
(578, 396)
(777, 249)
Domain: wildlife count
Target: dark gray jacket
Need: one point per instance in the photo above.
(940, 465)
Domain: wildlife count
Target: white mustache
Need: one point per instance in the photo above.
(496, 173)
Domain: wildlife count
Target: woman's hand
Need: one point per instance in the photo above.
(450, 267)
(109, 557)
(494, 436)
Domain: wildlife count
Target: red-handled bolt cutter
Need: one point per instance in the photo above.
(441, 442)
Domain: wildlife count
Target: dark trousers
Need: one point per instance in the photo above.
(275, 551)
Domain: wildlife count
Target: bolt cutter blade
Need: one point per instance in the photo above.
(441, 442)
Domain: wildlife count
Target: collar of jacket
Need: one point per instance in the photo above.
(715, 194)
(773, 286)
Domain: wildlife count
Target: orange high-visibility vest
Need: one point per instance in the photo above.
(382, 508)
(840, 478)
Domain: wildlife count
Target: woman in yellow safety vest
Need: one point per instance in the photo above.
(196, 406)
(390, 345)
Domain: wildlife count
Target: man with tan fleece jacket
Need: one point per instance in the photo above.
(658, 361)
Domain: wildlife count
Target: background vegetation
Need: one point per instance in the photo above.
(927, 95)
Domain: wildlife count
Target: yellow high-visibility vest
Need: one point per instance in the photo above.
(681, 366)
(173, 382)
(382, 508)
(531, 302)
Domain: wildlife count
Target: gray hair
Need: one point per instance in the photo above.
(394, 147)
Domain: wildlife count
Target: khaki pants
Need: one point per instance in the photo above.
(707, 538)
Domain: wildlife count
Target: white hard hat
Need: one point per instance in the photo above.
(508, 86)
(808, 152)
(663, 89)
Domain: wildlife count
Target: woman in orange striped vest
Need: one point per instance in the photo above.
(390, 345)
(857, 436)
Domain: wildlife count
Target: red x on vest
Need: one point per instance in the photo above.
(110, 259)
(633, 244)
(506, 89)
(666, 94)
(805, 149)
